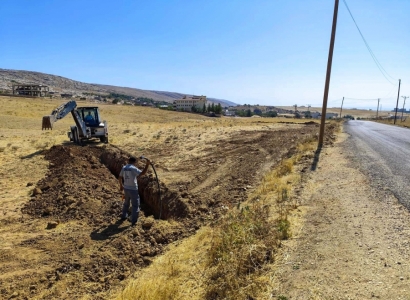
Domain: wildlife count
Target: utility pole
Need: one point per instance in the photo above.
(341, 107)
(397, 104)
(377, 113)
(328, 72)
(404, 103)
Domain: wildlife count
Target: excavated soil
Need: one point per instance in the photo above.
(86, 250)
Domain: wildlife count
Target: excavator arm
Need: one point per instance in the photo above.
(60, 112)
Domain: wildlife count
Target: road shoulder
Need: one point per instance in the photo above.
(350, 240)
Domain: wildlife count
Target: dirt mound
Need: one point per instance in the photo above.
(80, 197)
(311, 123)
(82, 184)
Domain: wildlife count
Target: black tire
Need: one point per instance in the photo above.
(72, 135)
(77, 139)
(104, 139)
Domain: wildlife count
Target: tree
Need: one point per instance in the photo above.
(257, 111)
(248, 113)
(209, 108)
(115, 101)
(218, 109)
(204, 108)
(213, 107)
(272, 114)
(240, 113)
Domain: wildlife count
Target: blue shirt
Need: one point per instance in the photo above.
(89, 118)
(129, 173)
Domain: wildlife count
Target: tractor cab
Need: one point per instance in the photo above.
(90, 116)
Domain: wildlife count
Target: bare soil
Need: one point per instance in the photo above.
(350, 239)
(70, 243)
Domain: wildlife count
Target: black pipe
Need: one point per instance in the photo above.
(159, 189)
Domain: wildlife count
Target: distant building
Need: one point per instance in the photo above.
(229, 113)
(400, 110)
(317, 115)
(66, 95)
(186, 103)
(34, 90)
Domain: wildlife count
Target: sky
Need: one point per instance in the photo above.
(270, 52)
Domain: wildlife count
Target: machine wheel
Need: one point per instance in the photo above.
(76, 136)
(72, 138)
(104, 139)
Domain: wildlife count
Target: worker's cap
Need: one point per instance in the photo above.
(132, 159)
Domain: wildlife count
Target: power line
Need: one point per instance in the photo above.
(379, 66)
(360, 99)
(391, 91)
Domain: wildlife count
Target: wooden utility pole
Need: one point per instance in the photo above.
(329, 71)
(404, 103)
(377, 113)
(397, 104)
(341, 107)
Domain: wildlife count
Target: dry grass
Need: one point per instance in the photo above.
(361, 113)
(178, 274)
(405, 122)
(243, 244)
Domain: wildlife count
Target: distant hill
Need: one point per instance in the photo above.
(64, 85)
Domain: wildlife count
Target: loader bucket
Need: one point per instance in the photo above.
(48, 122)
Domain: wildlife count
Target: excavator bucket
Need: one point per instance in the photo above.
(48, 122)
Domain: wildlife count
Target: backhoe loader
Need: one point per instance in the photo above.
(88, 123)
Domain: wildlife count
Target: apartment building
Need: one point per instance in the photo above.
(187, 102)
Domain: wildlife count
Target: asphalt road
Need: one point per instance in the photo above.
(383, 153)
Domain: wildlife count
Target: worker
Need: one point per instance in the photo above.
(129, 184)
(89, 118)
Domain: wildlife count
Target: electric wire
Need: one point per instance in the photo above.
(347, 98)
(379, 66)
(391, 91)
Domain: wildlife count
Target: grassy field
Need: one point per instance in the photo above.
(184, 148)
(405, 122)
(357, 113)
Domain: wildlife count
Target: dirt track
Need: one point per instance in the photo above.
(89, 252)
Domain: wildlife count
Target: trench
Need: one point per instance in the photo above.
(80, 192)
(165, 203)
(82, 182)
